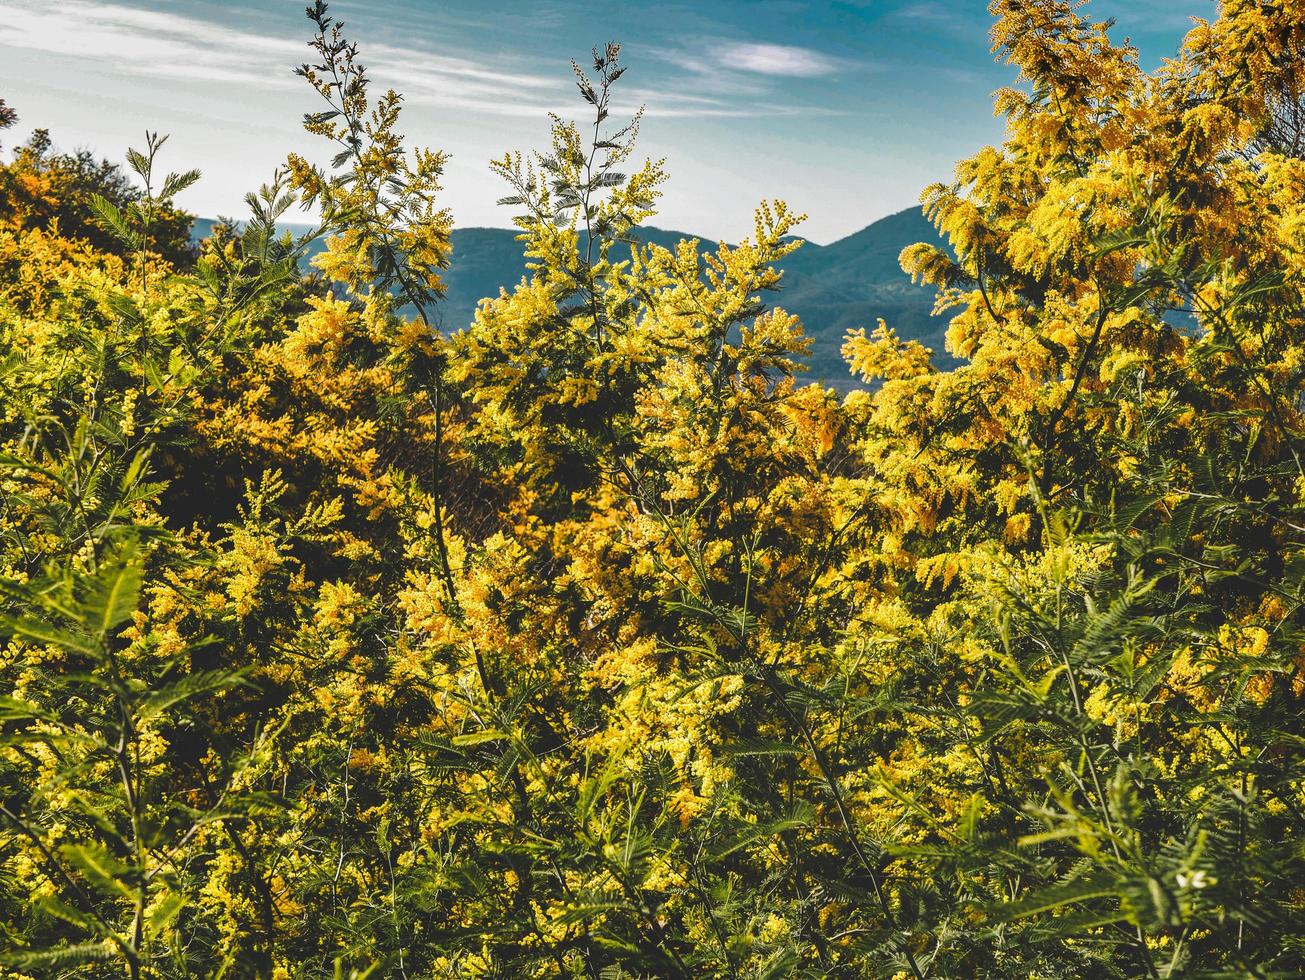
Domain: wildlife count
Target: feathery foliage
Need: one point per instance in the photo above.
(584, 640)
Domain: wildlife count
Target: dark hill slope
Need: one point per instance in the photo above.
(857, 280)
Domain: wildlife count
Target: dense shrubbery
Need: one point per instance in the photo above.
(583, 640)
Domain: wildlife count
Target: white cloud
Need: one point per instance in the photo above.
(135, 41)
(144, 42)
(777, 59)
(743, 68)
(157, 44)
(927, 10)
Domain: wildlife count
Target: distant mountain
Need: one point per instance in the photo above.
(858, 280)
(849, 283)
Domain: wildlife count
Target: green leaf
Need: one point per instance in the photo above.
(779, 965)
(61, 957)
(189, 687)
(15, 709)
(1047, 836)
(8, 459)
(135, 470)
(479, 737)
(114, 596)
(55, 906)
(758, 747)
(36, 631)
(1058, 896)
(800, 816)
(100, 868)
(588, 910)
(174, 184)
(164, 912)
(113, 219)
(970, 819)
(139, 163)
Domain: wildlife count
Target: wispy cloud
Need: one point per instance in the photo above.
(146, 42)
(745, 79)
(743, 66)
(956, 20)
(1158, 16)
(666, 104)
(927, 10)
(459, 83)
(777, 59)
(135, 41)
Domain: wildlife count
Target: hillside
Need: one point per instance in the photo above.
(846, 284)
(857, 280)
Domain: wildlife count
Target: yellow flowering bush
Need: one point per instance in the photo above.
(585, 639)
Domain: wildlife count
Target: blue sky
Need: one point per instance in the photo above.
(844, 109)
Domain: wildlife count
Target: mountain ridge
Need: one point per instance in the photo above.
(848, 283)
